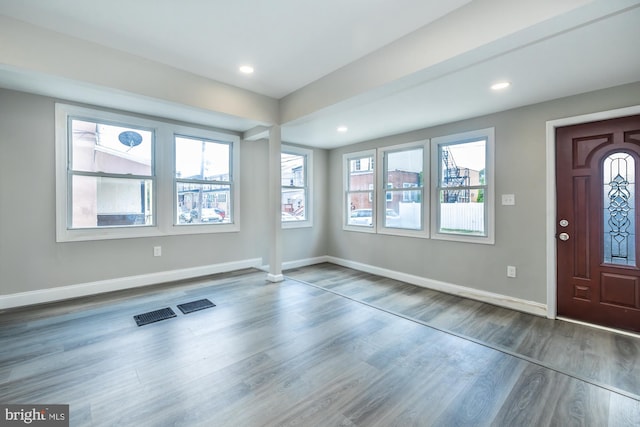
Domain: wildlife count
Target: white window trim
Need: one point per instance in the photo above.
(308, 177)
(346, 208)
(164, 203)
(381, 206)
(489, 197)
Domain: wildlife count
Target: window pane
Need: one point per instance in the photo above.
(404, 170)
(202, 159)
(292, 173)
(361, 174)
(361, 212)
(203, 203)
(104, 148)
(462, 212)
(619, 209)
(463, 164)
(293, 203)
(105, 202)
(404, 209)
(404, 167)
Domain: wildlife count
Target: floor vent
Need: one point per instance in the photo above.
(190, 307)
(154, 316)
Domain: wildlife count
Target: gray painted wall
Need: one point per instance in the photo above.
(304, 243)
(30, 258)
(520, 150)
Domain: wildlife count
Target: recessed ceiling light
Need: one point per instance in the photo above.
(246, 69)
(342, 129)
(500, 85)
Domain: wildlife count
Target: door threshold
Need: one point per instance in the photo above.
(604, 328)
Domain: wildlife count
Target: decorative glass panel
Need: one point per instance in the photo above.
(619, 209)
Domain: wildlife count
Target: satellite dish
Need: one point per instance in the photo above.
(130, 138)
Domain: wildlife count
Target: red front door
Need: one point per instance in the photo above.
(597, 170)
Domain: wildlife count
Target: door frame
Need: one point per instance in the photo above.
(551, 241)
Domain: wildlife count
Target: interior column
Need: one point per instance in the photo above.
(275, 215)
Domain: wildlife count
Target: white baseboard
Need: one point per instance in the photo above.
(304, 262)
(287, 265)
(525, 306)
(102, 286)
(292, 264)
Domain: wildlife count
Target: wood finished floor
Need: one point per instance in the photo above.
(293, 354)
(595, 355)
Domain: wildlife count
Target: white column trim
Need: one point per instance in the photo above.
(275, 215)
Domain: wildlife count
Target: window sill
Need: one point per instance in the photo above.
(359, 229)
(420, 234)
(116, 233)
(296, 224)
(483, 240)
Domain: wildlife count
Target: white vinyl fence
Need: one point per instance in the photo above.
(462, 217)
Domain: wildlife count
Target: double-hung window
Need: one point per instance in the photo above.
(203, 181)
(296, 179)
(123, 176)
(403, 179)
(462, 200)
(110, 175)
(359, 187)
(442, 188)
(106, 175)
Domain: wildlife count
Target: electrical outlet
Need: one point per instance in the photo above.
(157, 251)
(511, 271)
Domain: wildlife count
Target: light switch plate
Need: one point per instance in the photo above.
(508, 199)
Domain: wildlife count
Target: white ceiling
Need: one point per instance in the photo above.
(603, 54)
(298, 44)
(290, 43)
